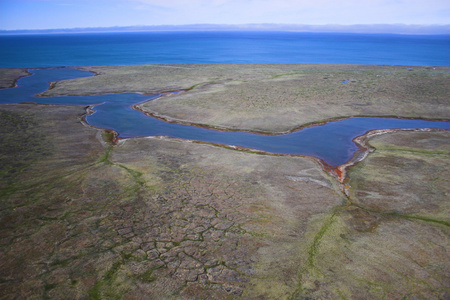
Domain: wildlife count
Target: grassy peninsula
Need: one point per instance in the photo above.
(8, 77)
(273, 98)
(172, 219)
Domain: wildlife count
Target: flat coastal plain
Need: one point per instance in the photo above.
(273, 98)
(161, 218)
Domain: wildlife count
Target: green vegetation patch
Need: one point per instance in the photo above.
(22, 142)
(407, 175)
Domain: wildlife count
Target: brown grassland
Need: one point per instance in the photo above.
(163, 218)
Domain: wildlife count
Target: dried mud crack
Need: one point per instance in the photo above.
(87, 215)
(152, 216)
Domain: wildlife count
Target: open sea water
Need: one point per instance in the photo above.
(81, 49)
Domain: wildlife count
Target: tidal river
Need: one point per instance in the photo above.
(331, 142)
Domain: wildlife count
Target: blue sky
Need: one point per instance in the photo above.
(49, 14)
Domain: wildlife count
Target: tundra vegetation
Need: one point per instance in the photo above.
(168, 218)
(8, 77)
(273, 98)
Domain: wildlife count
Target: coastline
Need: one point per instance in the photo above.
(340, 171)
(168, 119)
(14, 84)
(112, 137)
(10, 80)
(363, 143)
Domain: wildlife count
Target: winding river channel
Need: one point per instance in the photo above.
(332, 142)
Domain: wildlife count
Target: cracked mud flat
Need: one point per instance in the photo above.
(165, 218)
(151, 216)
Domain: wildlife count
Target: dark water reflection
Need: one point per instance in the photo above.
(331, 142)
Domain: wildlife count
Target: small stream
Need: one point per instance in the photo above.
(331, 142)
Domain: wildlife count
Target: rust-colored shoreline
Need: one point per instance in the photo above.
(340, 173)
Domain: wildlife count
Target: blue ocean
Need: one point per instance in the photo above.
(44, 50)
(115, 112)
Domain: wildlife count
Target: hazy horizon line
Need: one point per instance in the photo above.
(329, 28)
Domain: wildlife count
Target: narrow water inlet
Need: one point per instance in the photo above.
(331, 142)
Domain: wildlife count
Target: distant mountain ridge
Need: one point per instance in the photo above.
(362, 28)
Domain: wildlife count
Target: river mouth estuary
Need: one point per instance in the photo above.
(331, 142)
(225, 182)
